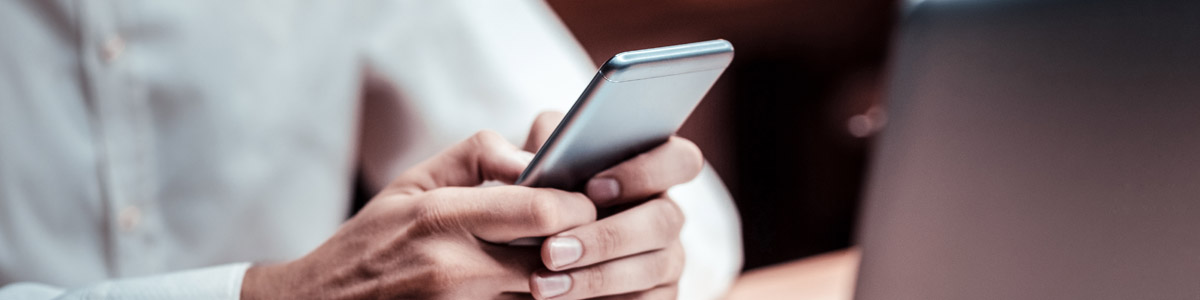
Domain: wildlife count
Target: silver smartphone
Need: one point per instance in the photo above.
(635, 102)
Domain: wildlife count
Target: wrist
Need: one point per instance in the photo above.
(265, 281)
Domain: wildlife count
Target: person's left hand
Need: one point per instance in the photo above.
(633, 254)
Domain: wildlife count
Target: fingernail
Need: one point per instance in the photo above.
(550, 285)
(603, 189)
(564, 250)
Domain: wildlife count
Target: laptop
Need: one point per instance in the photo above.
(1038, 149)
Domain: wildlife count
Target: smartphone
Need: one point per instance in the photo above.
(636, 101)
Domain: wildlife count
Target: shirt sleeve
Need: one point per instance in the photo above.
(216, 283)
(447, 69)
(711, 237)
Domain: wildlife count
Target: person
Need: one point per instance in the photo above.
(208, 150)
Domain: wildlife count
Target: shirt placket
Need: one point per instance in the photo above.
(123, 136)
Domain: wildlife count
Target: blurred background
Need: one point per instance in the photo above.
(789, 124)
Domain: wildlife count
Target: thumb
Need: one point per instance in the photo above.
(542, 127)
(482, 157)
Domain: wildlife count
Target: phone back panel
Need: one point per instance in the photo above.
(635, 103)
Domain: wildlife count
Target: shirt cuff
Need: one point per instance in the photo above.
(218, 283)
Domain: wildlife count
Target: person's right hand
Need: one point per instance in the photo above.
(433, 234)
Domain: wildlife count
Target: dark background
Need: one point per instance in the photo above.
(776, 125)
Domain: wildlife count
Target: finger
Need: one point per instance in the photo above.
(626, 275)
(543, 126)
(484, 156)
(505, 213)
(674, 162)
(514, 266)
(662, 292)
(650, 226)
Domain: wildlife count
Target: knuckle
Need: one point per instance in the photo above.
(426, 209)
(659, 269)
(577, 204)
(669, 217)
(695, 158)
(485, 138)
(428, 206)
(433, 217)
(542, 212)
(607, 241)
(444, 274)
(640, 176)
(591, 280)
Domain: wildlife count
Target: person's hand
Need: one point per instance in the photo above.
(633, 254)
(432, 234)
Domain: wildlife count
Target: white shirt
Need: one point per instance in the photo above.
(153, 149)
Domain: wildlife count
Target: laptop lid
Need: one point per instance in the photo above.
(1038, 150)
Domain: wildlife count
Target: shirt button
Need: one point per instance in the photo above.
(129, 218)
(112, 48)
